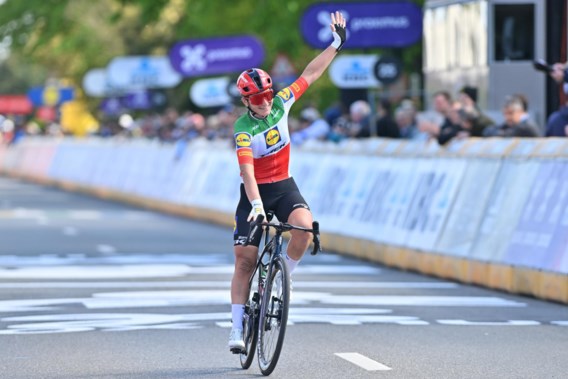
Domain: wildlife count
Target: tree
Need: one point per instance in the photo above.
(69, 37)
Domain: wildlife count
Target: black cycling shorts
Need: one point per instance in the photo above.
(280, 197)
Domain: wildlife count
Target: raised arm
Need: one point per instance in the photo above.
(319, 64)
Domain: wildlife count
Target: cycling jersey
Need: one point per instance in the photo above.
(265, 143)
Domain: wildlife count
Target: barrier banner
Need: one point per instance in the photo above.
(399, 196)
(438, 182)
(373, 186)
(503, 210)
(469, 207)
(533, 234)
(558, 255)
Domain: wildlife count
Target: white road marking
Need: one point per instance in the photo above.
(96, 272)
(85, 214)
(116, 259)
(489, 323)
(432, 301)
(363, 361)
(561, 323)
(224, 284)
(106, 249)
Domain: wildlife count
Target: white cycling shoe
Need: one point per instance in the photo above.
(236, 341)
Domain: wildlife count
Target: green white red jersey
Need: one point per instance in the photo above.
(265, 143)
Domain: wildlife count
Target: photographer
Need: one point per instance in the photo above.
(557, 124)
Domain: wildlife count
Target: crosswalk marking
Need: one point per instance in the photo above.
(363, 361)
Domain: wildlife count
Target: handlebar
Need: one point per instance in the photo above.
(284, 227)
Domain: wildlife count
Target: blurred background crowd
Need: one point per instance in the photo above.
(449, 82)
(453, 116)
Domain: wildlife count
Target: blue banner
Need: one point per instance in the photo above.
(369, 24)
(202, 57)
(50, 95)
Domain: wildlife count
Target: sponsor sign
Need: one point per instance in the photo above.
(503, 209)
(464, 220)
(134, 72)
(214, 56)
(15, 104)
(387, 69)
(210, 92)
(369, 24)
(354, 71)
(243, 140)
(50, 96)
(530, 243)
(134, 100)
(95, 83)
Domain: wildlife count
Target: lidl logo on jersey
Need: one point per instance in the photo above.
(285, 94)
(242, 139)
(272, 137)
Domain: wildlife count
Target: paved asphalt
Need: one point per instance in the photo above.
(96, 289)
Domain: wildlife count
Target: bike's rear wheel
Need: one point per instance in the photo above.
(250, 330)
(273, 316)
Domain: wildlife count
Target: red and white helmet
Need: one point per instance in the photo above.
(253, 81)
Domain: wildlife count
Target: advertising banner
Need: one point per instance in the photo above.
(354, 71)
(95, 83)
(50, 96)
(438, 183)
(531, 240)
(467, 212)
(210, 92)
(214, 56)
(135, 72)
(503, 210)
(558, 249)
(15, 104)
(369, 24)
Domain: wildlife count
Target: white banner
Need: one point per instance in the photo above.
(354, 71)
(134, 72)
(210, 92)
(469, 207)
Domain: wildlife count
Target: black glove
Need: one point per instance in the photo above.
(339, 36)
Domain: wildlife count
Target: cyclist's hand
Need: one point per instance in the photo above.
(339, 32)
(257, 209)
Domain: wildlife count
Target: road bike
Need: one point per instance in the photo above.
(266, 311)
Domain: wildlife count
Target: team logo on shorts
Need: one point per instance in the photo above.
(242, 139)
(285, 94)
(272, 137)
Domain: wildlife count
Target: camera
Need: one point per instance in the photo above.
(542, 65)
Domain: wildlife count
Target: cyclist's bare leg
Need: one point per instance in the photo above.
(245, 262)
(300, 240)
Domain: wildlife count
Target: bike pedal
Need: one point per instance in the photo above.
(238, 351)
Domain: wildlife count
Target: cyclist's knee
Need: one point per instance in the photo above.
(301, 217)
(300, 237)
(245, 258)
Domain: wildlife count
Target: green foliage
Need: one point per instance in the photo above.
(69, 37)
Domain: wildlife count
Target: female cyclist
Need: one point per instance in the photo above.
(262, 142)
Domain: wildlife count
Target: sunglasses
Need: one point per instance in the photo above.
(260, 98)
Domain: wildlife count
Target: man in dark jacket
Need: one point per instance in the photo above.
(515, 125)
(557, 124)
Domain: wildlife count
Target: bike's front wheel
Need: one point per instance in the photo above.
(273, 316)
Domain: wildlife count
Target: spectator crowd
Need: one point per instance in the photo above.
(450, 118)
